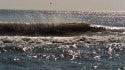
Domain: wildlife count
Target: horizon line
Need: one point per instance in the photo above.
(64, 10)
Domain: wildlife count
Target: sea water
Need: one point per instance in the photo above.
(89, 51)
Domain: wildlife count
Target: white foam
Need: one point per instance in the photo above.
(110, 27)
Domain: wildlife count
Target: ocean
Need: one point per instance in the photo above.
(91, 50)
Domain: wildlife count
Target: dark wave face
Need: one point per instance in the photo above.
(30, 40)
(47, 29)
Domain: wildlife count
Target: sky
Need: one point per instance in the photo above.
(78, 5)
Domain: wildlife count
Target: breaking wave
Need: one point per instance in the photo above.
(53, 29)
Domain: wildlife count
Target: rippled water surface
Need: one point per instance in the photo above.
(58, 53)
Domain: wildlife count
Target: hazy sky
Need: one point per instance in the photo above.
(81, 5)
